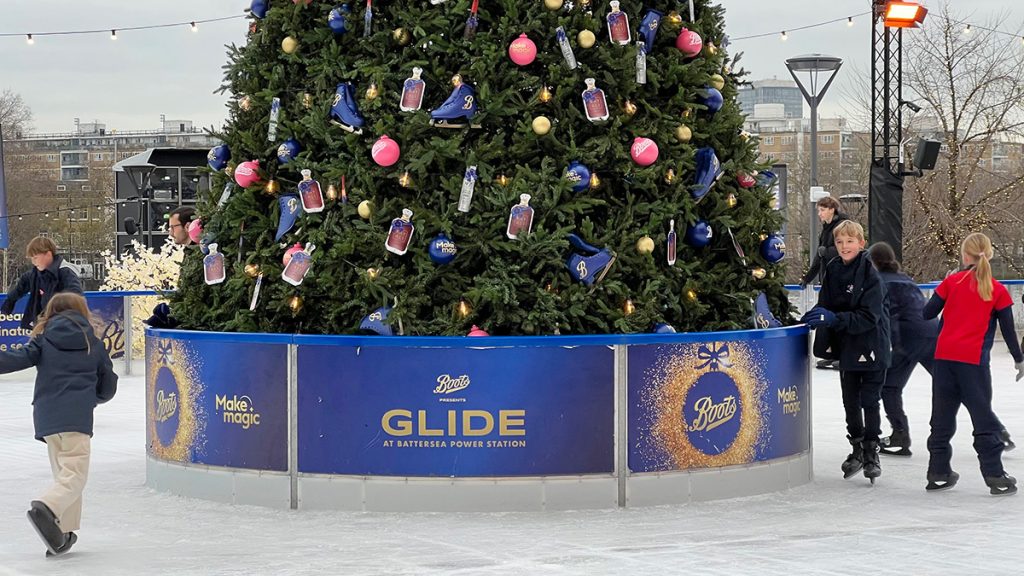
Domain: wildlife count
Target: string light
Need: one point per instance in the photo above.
(192, 24)
(29, 40)
(113, 34)
(968, 29)
(195, 28)
(849, 21)
(784, 37)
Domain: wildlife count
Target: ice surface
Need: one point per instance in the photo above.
(831, 526)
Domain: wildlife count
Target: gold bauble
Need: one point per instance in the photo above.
(628, 307)
(716, 81)
(372, 273)
(586, 39)
(731, 200)
(272, 187)
(670, 176)
(545, 95)
(402, 36)
(365, 209)
(307, 100)
(629, 108)
(541, 125)
(758, 273)
(332, 192)
(245, 103)
(372, 92)
(252, 270)
(711, 48)
(289, 45)
(673, 21)
(645, 245)
(295, 304)
(553, 4)
(683, 133)
(503, 180)
(405, 181)
(595, 181)
(691, 294)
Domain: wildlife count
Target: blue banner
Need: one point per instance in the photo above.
(456, 412)
(218, 403)
(714, 404)
(5, 238)
(107, 313)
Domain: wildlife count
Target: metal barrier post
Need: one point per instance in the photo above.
(128, 344)
(621, 435)
(293, 423)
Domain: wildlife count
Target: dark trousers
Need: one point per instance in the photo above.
(896, 378)
(861, 392)
(953, 384)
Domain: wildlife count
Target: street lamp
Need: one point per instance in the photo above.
(814, 65)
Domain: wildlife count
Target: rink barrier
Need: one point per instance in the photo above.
(412, 423)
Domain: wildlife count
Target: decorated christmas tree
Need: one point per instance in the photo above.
(529, 167)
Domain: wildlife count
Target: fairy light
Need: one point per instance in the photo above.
(968, 29)
(194, 27)
(113, 34)
(849, 21)
(29, 40)
(784, 37)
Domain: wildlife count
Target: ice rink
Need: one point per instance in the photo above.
(831, 526)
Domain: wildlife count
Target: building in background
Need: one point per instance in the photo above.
(62, 185)
(772, 91)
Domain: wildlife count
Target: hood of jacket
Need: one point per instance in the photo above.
(68, 331)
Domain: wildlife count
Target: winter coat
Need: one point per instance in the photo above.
(59, 276)
(827, 241)
(859, 338)
(911, 335)
(73, 374)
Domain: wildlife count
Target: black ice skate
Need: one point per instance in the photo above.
(69, 541)
(45, 524)
(855, 461)
(344, 111)
(940, 482)
(898, 444)
(1008, 444)
(458, 110)
(872, 467)
(1004, 485)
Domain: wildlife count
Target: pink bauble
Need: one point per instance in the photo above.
(644, 151)
(291, 252)
(522, 51)
(195, 230)
(385, 151)
(689, 43)
(745, 180)
(247, 173)
(477, 331)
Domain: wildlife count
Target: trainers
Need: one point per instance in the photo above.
(69, 541)
(1004, 485)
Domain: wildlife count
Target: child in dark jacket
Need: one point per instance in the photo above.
(852, 307)
(971, 302)
(74, 374)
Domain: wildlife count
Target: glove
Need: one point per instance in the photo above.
(1020, 370)
(7, 307)
(818, 316)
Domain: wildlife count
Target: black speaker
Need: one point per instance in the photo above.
(927, 153)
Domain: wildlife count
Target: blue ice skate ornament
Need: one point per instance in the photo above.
(698, 234)
(458, 110)
(217, 158)
(763, 317)
(290, 210)
(259, 8)
(579, 175)
(588, 264)
(706, 172)
(344, 111)
(376, 322)
(711, 98)
(337, 19)
(767, 178)
(649, 28)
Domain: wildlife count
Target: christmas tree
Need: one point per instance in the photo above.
(550, 154)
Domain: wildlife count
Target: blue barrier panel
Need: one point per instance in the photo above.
(454, 411)
(106, 308)
(220, 403)
(718, 403)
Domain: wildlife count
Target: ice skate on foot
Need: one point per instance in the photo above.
(940, 482)
(70, 539)
(45, 524)
(1004, 485)
(897, 444)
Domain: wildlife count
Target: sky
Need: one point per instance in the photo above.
(129, 83)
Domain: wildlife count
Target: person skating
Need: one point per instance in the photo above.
(830, 214)
(852, 306)
(971, 302)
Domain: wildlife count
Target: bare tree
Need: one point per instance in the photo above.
(15, 116)
(972, 88)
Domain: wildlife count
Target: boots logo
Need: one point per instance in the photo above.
(166, 406)
(237, 410)
(711, 415)
(446, 384)
(712, 412)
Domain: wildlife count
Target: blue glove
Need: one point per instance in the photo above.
(818, 316)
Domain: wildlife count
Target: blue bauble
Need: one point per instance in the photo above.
(698, 234)
(218, 157)
(662, 328)
(337, 20)
(442, 250)
(288, 150)
(712, 98)
(259, 8)
(579, 175)
(773, 249)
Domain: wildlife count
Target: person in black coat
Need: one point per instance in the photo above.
(74, 374)
(49, 275)
(853, 327)
(831, 215)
